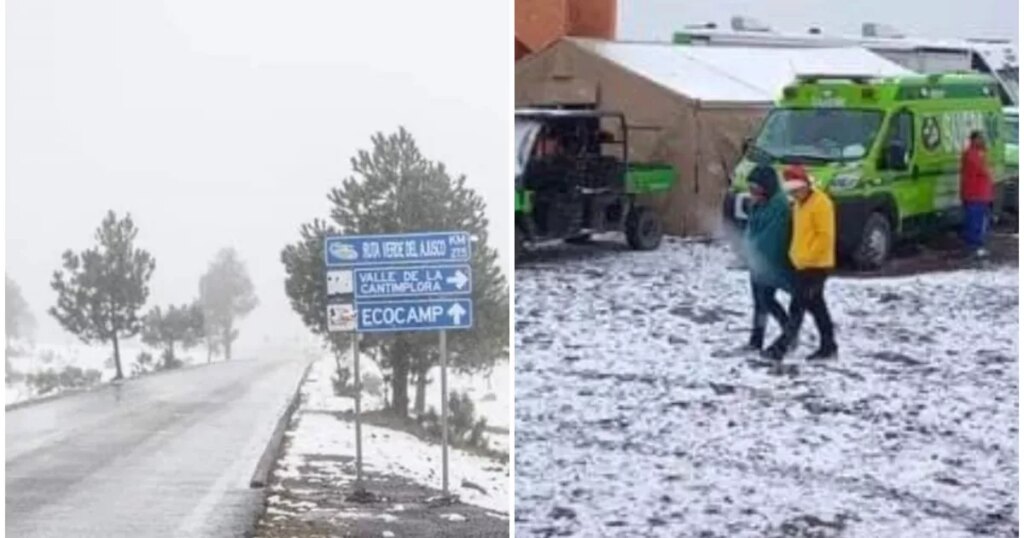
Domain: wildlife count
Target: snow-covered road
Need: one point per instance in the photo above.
(163, 455)
(637, 414)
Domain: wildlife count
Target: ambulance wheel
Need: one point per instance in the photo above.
(643, 229)
(875, 243)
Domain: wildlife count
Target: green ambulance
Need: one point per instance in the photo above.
(1012, 165)
(887, 150)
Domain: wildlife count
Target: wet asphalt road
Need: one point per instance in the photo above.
(166, 455)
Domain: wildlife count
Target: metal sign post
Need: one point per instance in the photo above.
(398, 283)
(360, 490)
(444, 413)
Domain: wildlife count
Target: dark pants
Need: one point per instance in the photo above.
(810, 296)
(765, 304)
(975, 224)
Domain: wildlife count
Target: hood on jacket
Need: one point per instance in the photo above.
(765, 177)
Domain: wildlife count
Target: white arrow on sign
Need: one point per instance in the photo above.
(456, 312)
(459, 280)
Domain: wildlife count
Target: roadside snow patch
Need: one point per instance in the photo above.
(476, 480)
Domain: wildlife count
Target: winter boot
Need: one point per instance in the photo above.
(828, 350)
(777, 350)
(756, 339)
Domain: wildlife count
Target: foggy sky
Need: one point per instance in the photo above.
(220, 123)
(659, 19)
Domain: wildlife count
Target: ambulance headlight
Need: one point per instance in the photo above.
(845, 181)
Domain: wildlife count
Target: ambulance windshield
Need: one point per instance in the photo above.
(810, 135)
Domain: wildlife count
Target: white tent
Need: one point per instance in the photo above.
(736, 74)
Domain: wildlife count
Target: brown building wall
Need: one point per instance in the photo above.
(539, 23)
(593, 18)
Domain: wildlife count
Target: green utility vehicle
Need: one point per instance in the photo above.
(1010, 201)
(886, 150)
(574, 179)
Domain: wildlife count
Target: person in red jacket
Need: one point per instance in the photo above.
(976, 193)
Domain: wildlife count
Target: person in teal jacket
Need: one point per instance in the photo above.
(766, 244)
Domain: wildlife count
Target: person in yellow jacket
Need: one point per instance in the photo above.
(812, 250)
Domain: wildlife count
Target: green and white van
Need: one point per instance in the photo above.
(887, 150)
(1010, 159)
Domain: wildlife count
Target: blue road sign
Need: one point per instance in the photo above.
(423, 315)
(396, 249)
(412, 281)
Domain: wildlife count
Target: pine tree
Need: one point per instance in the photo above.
(101, 290)
(395, 189)
(225, 296)
(18, 319)
(182, 325)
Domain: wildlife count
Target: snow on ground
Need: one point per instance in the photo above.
(490, 393)
(476, 480)
(318, 390)
(636, 413)
(398, 453)
(33, 358)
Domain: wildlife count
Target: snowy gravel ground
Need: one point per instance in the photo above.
(490, 392)
(385, 451)
(637, 413)
(317, 470)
